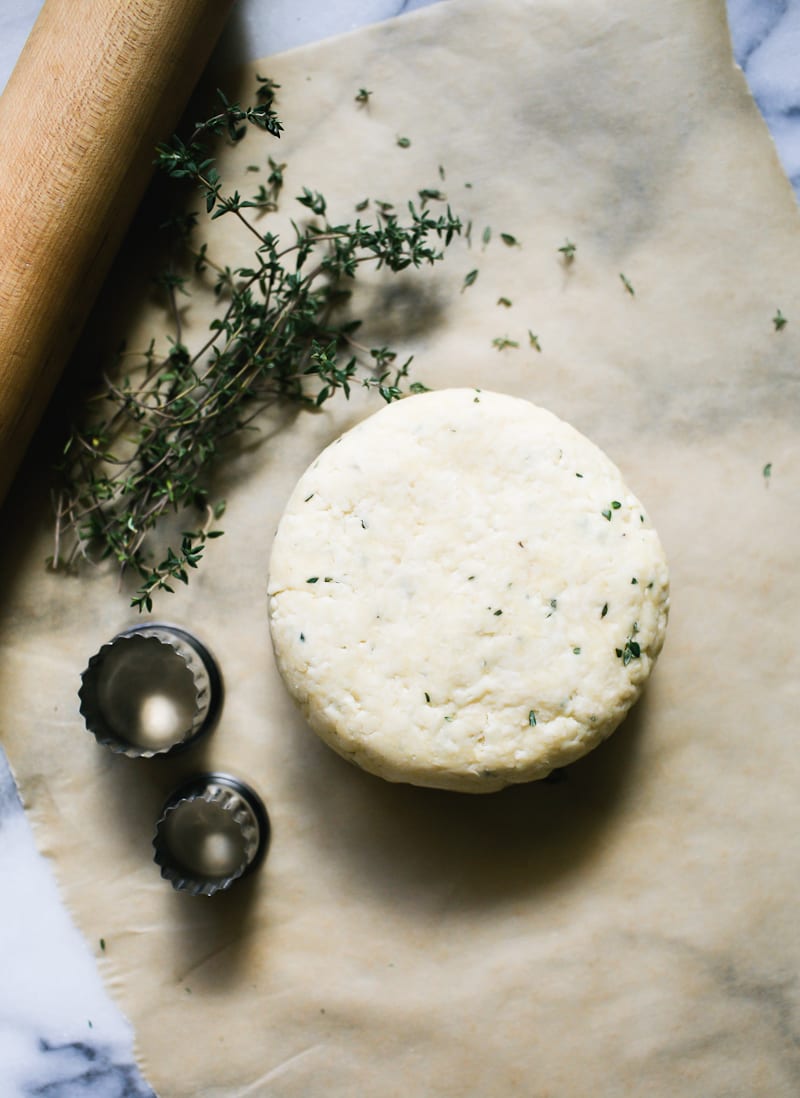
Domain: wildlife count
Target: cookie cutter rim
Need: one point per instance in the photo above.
(117, 743)
(193, 789)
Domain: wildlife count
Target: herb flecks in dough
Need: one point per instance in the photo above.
(154, 432)
(533, 340)
(362, 684)
(631, 650)
(627, 284)
(766, 472)
(502, 343)
(510, 241)
(404, 142)
(779, 320)
(532, 719)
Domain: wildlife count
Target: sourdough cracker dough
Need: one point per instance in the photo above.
(632, 928)
(464, 594)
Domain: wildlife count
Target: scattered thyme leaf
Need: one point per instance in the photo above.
(604, 611)
(431, 194)
(532, 719)
(469, 280)
(568, 250)
(362, 97)
(533, 340)
(779, 320)
(404, 142)
(510, 241)
(627, 285)
(502, 342)
(504, 301)
(606, 515)
(486, 236)
(767, 470)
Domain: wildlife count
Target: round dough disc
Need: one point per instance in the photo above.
(464, 593)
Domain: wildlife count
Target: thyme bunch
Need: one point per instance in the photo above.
(280, 335)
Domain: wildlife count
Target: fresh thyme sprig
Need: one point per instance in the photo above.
(279, 336)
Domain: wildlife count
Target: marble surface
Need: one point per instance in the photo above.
(59, 1032)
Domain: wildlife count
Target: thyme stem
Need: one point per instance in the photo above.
(154, 431)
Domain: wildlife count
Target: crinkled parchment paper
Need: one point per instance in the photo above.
(631, 929)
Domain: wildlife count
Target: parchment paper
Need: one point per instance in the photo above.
(631, 929)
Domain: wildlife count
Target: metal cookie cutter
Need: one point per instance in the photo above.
(150, 690)
(211, 832)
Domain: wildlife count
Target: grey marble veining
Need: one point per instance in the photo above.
(60, 1035)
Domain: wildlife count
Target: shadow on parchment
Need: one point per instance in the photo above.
(409, 847)
(405, 841)
(204, 935)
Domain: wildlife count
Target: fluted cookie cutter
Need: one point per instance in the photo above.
(212, 831)
(150, 690)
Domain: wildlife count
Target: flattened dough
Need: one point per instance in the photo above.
(464, 594)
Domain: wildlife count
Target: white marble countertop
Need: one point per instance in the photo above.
(60, 1034)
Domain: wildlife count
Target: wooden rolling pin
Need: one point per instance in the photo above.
(97, 85)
